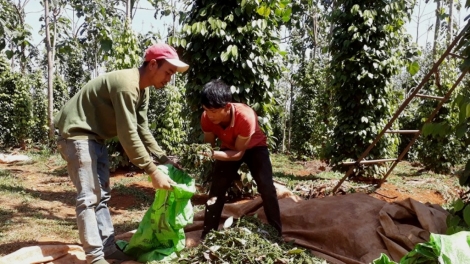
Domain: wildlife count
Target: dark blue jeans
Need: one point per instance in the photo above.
(225, 172)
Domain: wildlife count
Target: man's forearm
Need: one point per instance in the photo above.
(228, 155)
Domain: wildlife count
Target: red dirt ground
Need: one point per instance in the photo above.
(387, 192)
(49, 181)
(46, 183)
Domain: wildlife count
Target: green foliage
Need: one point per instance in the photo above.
(442, 249)
(248, 241)
(4, 67)
(443, 144)
(238, 42)
(116, 155)
(14, 31)
(309, 130)
(383, 259)
(102, 21)
(195, 160)
(71, 57)
(61, 93)
(166, 122)
(22, 102)
(40, 129)
(308, 27)
(126, 52)
(464, 44)
(369, 46)
(459, 217)
(16, 108)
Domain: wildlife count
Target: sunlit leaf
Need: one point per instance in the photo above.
(354, 9)
(242, 241)
(214, 248)
(264, 10)
(287, 15)
(249, 63)
(413, 68)
(234, 51)
(295, 251)
(224, 56)
(228, 223)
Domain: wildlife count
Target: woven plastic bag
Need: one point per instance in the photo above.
(161, 232)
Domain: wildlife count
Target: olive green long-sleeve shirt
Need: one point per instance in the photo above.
(113, 105)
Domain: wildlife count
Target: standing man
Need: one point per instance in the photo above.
(236, 126)
(113, 104)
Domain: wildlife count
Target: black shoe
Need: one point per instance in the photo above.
(119, 256)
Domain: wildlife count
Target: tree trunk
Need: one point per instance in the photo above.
(50, 71)
(291, 110)
(437, 27)
(315, 31)
(418, 20)
(128, 10)
(21, 15)
(450, 26)
(333, 4)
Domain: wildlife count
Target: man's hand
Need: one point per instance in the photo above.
(209, 154)
(161, 181)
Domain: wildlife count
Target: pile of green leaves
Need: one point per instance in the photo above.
(196, 161)
(249, 241)
(242, 187)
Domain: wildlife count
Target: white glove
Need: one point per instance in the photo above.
(161, 181)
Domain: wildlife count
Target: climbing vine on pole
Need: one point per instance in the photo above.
(237, 41)
(368, 47)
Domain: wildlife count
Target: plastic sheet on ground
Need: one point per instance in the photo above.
(353, 228)
(11, 158)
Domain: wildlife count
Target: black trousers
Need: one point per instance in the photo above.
(225, 172)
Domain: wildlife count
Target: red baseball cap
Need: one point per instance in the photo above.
(166, 52)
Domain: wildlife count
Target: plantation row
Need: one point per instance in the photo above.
(326, 96)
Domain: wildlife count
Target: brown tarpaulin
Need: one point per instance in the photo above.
(353, 228)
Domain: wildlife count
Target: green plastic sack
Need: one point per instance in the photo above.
(161, 231)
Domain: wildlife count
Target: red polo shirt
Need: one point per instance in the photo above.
(244, 124)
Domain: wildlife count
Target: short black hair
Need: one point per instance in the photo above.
(159, 63)
(216, 94)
